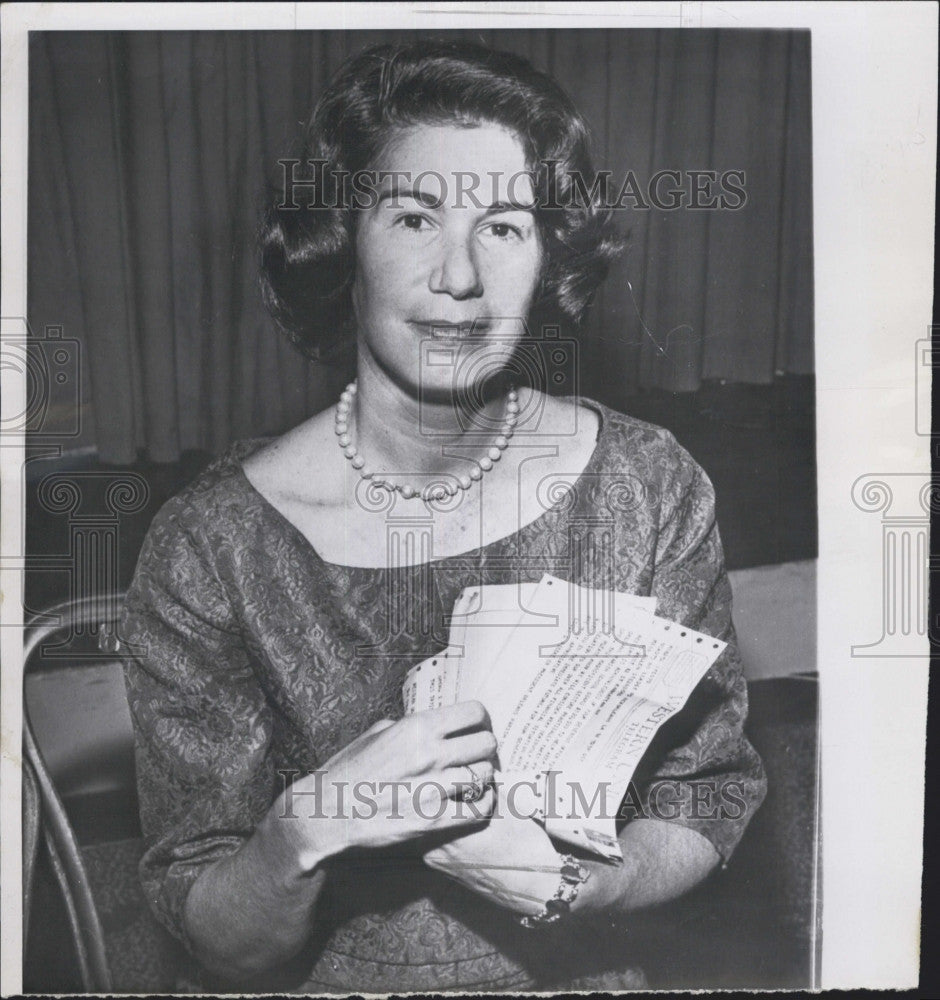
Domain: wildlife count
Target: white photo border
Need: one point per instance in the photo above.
(874, 69)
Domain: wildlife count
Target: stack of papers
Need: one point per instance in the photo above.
(576, 682)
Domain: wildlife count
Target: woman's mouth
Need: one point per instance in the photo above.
(446, 330)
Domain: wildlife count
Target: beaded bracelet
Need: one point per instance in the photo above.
(573, 876)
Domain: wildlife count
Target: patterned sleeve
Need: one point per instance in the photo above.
(201, 723)
(700, 771)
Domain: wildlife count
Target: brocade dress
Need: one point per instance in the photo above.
(253, 656)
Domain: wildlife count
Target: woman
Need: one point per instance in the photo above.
(277, 620)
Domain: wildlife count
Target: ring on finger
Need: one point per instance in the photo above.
(474, 790)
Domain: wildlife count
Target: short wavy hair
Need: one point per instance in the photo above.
(307, 256)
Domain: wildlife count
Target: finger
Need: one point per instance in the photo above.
(458, 780)
(463, 785)
(464, 715)
(432, 803)
(462, 814)
(456, 750)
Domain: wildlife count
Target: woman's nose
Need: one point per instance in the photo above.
(456, 271)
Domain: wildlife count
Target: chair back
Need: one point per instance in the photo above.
(43, 812)
(32, 829)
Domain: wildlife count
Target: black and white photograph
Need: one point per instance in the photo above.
(423, 438)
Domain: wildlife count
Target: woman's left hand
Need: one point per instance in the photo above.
(510, 861)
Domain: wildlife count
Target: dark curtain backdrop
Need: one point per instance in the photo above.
(149, 156)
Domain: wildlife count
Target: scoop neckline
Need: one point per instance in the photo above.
(479, 550)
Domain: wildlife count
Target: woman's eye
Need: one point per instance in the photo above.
(504, 231)
(413, 222)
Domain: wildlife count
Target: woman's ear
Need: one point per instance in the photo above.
(353, 286)
(543, 288)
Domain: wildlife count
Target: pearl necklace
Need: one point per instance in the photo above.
(435, 491)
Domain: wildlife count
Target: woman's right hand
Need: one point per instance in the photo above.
(397, 781)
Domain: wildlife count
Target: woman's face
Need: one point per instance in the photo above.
(443, 287)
